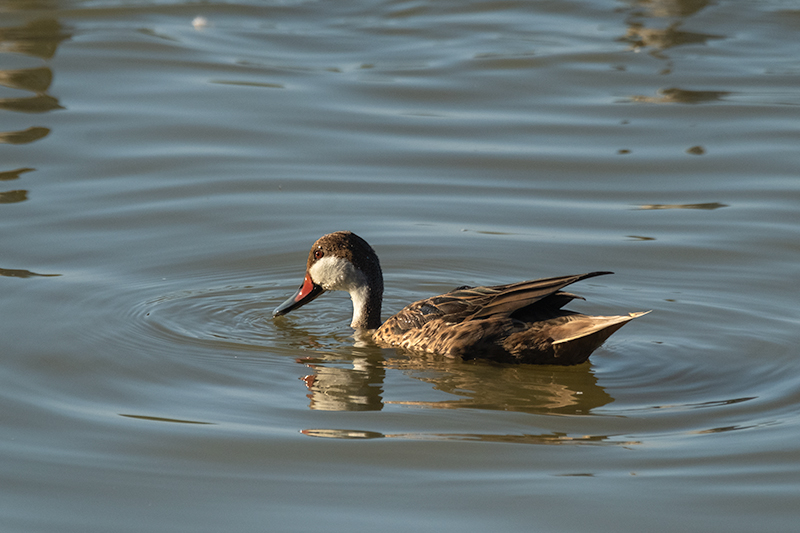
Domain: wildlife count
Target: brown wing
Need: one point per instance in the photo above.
(473, 303)
(507, 299)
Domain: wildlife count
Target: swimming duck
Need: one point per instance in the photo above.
(517, 323)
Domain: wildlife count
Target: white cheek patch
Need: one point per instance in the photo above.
(336, 274)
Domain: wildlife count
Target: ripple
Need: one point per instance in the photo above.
(222, 317)
(236, 319)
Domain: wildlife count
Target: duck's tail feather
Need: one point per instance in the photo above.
(600, 324)
(579, 345)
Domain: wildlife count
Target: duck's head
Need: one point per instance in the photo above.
(342, 261)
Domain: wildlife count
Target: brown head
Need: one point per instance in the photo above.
(342, 261)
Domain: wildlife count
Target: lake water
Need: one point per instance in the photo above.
(165, 166)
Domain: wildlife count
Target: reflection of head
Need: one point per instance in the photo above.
(338, 388)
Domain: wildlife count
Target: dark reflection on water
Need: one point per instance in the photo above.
(162, 419)
(13, 197)
(31, 79)
(705, 405)
(531, 389)
(674, 95)
(547, 438)
(249, 84)
(696, 150)
(640, 36)
(40, 103)
(724, 429)
(32, 134)
(18, 273)
(708, 206)
(541, 439)
(9, 175)
(676, 12)
(39, 38)
(343, 434)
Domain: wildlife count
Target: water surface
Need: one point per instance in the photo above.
(165, 165)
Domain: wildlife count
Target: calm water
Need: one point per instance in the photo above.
(162, 177)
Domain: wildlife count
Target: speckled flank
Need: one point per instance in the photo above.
(558, 337)
(517, 323)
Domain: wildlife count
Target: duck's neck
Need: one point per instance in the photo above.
(366, 307)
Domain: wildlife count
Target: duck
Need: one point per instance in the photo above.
(520, 322)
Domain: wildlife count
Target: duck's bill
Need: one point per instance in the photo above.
(307, 292)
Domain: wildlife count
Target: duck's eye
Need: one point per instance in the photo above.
(318, 254)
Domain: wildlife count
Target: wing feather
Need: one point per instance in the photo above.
(475, 303)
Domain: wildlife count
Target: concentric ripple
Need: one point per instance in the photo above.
(235, 318)
(229, 316)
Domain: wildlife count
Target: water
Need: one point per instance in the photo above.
(162, 177)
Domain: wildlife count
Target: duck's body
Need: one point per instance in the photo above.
(517, 323)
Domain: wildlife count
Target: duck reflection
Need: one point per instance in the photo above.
(337, 384)
(525, 388)
(354, 380)
(344, 376)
